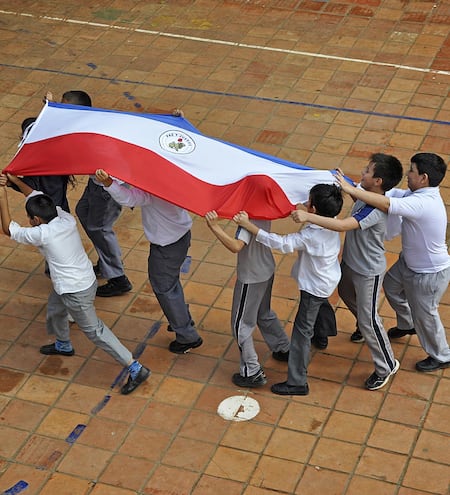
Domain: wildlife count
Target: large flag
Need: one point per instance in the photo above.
(166, 156)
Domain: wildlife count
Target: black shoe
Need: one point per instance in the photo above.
(284, 389)
(431, 364)
(357, 337)
(257, 380)
(374, 382)
(131, 384)
(281, 356)
(115, 287)
(397, 333)
(180, 348)
(320, 342)
(50, 350)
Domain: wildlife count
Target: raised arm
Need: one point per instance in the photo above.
(24, 188)
(336, 224)
(242, 219)
(4, 211)
(379, 201)
(234, 245)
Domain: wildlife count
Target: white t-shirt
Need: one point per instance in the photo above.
(163, 222)
(317, 269)
(60, 243)
(424, 224)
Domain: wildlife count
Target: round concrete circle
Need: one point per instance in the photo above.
(238, 408)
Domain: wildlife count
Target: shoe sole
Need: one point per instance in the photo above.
(306, 392)
(118, 293)
(57, 353)
(248, 385)
(392, 373)
(193, 346)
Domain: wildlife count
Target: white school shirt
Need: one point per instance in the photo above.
(163, 222)
(424, 224)
(60, 243)
(317, 270)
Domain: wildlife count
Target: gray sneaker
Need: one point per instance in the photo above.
(257, 380)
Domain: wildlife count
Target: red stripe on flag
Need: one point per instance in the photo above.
(84, 153)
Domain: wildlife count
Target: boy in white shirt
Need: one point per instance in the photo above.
(54, 232)
(317, 273)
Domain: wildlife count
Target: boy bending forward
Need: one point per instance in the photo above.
(54, 232)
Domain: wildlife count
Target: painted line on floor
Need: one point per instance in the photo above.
(140, 348)
(234, 95)
(226, 43)
(17, 488)
(75, 433)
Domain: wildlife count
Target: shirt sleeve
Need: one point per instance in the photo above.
(26, 235)
(129, 196)
(284, 243)
(243, 235)
(407, 207)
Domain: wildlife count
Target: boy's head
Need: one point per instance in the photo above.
(429, 166)
(27, 124)
(387, 168)
(77, 97)
(40, 209)
(326, 199)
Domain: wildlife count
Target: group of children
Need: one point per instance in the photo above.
(413, 286)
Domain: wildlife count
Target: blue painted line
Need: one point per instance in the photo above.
(233, 95)
(186, 266)
(17, 488)
(140, 348)
(76, 432)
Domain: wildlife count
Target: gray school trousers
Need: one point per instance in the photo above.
(251, 307)
(361, 294)
(97, 212)
(164, 264)
(415, 299)
(302, 333)
(81, 306)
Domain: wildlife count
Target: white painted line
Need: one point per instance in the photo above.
(238, 408)
(229, 43)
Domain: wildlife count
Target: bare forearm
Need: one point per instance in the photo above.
(379, 201)
(229, 242)
(4, 212)
(24, 188)
(336, 224)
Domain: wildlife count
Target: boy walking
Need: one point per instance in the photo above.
(415, 284)
(168, 229)
(317, 274)
(364, 263)
(54, 232)
(251, 301)
(98, 212)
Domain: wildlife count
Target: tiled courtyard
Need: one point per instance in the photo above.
(321, 83)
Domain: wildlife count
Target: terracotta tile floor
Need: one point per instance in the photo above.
(323, 83)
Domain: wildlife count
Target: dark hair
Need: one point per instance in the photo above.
(41, 206)
(327, 199)
(26, 126)
(77, 97)
(388, 168)
(27, 123)
(432, 165)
